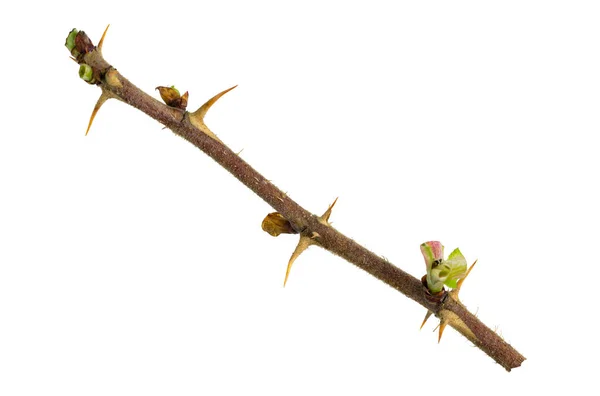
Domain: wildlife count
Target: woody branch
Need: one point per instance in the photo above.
(290, 217)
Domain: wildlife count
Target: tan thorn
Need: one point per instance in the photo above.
(303, 244)
(460, 282)
(103, 98)
(101, 43)
(201, 112)
(327, 214)
(197, 117)
(427, 316)
(443, 324)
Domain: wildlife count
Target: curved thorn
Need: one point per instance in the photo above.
(303, 244)
(327, 213)
(427, 316)
(101, 42)
(197, 117)
(103, 98)
(201, 112)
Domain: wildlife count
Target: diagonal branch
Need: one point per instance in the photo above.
(95, 70)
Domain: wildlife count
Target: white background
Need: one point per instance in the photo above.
(131, 264)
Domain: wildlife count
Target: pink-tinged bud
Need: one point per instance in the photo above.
(433, 252)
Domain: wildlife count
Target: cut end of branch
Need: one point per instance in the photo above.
(79, 44)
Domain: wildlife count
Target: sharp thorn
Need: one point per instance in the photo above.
(101, 42)
(427, 316)
(197, 117)
(103, 98)
(201, 112)
(470, 268)
(303, 244)
(327, 213)
(443, 324)
(460, 282)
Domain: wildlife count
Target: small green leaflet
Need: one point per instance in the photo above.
(448, 272)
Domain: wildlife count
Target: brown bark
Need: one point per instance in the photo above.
(448, 309)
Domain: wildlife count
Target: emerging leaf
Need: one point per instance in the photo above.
(442, 272)
(433, 252)
(455, 268)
